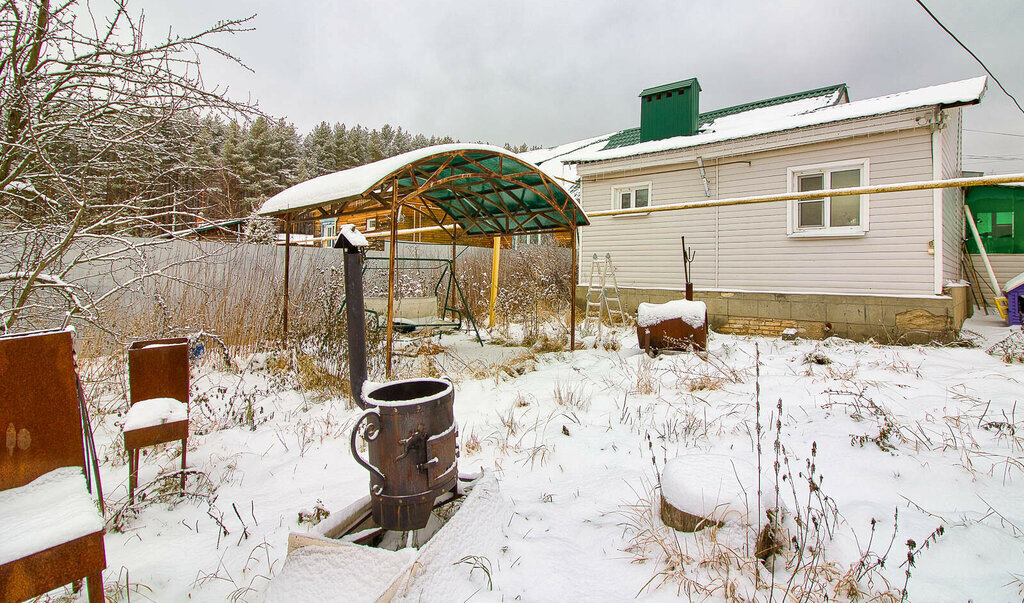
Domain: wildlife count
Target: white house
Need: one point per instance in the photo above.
(856, 266)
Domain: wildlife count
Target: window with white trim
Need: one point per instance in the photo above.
(829, 216)
(631, 197)
(329, 232)
(371, 224)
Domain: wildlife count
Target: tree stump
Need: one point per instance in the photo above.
(683, 521)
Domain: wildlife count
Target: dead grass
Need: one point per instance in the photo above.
(471, 444)
(647, 381)
(571, 396)
(313, 375)
(704, 383)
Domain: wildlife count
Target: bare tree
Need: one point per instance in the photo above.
(99, 146)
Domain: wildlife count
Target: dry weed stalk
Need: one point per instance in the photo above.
(471, 445)
(647, 381)
(571, 396)
(733, 563)
(860, 407)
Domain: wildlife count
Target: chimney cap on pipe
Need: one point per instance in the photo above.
(350, 239)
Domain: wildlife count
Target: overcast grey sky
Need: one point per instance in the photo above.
(548, 72)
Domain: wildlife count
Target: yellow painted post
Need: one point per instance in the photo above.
(494, 279)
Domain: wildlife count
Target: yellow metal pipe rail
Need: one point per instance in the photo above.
(793, 196)
(837, 192)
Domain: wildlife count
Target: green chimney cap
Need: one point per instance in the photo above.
(673, 86)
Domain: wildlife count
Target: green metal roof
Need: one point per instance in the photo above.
(631, 136)
(672, 86)
(623, 138)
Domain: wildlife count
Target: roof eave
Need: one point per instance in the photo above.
(284, 212)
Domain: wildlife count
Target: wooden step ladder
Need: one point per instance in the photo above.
(973, 278)
(603, 295)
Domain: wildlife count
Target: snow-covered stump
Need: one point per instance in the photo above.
(705, 490)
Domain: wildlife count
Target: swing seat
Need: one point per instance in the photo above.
(411, 313)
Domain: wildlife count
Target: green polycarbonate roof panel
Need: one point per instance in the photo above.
(485, 189)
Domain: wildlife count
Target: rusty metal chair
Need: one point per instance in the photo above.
(52, 530)
(158, 381)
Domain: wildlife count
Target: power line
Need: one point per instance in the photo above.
(996, 157)
(964, 46)
(996, 133)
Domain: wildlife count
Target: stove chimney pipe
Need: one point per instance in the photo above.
(354, 243)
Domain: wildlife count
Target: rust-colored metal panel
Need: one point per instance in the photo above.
(44, 571)
(40, 421)
(673, 334)
(41, 427)
(441, 461)
(156, 434)
(158, 369)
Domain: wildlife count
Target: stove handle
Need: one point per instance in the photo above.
(369, 433)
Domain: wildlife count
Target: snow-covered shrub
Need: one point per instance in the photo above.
(260, 229)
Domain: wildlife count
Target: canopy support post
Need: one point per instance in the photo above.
(572, 291)
(392, 248)
(494, 280)
(287, 269)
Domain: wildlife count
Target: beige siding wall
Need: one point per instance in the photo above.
(747, 247)
(1005, 265)
(951, 137)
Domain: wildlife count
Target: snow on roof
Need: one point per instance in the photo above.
(355, 181)
(1013, 283)
(541, 156)
(798, 114)
(761, 115)
(558, 163)
(353, 236)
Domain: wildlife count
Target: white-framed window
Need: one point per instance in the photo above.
(371, 224)
(845, 215)
(330, 229)
(631, 196)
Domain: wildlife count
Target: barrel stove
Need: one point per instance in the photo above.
(409, 425)
(412, 436)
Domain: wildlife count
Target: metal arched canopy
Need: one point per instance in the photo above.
(484, 189)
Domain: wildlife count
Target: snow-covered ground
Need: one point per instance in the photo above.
(905, 440)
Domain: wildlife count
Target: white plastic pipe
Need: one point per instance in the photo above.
(981, 249)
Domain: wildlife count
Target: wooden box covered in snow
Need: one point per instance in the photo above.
(675, 325)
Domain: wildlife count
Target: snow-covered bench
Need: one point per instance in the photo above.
(52, 529)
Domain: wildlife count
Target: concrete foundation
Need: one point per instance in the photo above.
(885, 319)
